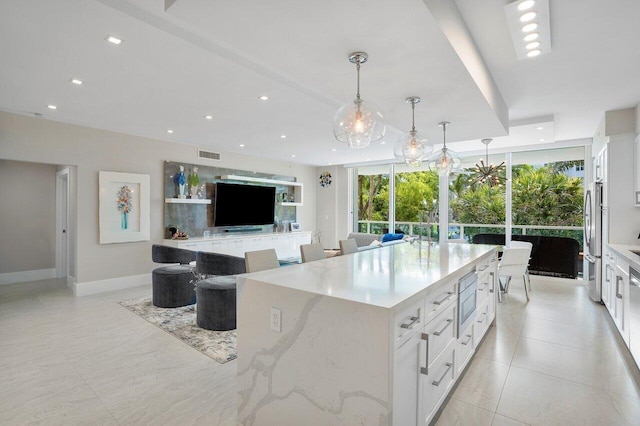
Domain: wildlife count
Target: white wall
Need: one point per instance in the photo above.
(332, 206)
(27, 214)
(91, 150)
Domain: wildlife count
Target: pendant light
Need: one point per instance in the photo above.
(488, 173)
(412, 147)
(444, 161)
(358, 123)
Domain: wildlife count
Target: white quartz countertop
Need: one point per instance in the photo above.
(383, 277)
(625, 250)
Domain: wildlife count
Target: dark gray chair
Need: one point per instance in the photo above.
(172, 285)
(216, 294)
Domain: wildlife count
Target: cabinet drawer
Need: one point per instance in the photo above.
(481, 324)
(439, 301)
(407, 322)
(440, 332)
(464, 348)
(484, 288)
(436, 385)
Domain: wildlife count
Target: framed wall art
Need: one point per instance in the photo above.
(124, 207)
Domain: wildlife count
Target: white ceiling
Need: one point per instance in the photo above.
(199, 57)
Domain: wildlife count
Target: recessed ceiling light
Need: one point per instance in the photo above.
(531, 36)
(530, 27)
(532, 45)
(283, 136)
(113, 40)
(534, 53)
(52, 107)
(526, 4)
(539, 128)
(76, 81)
(263, 98)
(208, 117)
(293, 156)
(383, 143)
(170, 131)
(526, 17)
(333, 150)
(542, 140)
(331, 164)
(368, 159)
(241, 145)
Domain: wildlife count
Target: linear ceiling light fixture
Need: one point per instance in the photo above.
(487, 173)
(412, 147)
(444, 161)
(530, 27)
(360, 122)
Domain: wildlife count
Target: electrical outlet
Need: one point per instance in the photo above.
(276, 319)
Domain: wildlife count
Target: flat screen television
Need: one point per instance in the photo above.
(241, 205)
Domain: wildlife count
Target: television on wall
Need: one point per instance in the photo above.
(242, 205)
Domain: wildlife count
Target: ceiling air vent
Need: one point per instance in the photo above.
(208, 154)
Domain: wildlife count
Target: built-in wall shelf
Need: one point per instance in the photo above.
(186, 201)
(296, 186)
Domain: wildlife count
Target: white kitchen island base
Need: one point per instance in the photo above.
(363, 337)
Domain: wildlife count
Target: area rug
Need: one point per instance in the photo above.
(181, 323)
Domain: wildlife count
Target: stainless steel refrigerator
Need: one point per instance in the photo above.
(593, 211)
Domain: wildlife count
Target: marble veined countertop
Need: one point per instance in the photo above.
(383, 277)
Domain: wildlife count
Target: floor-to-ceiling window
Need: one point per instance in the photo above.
(416, 198)
(372, 200)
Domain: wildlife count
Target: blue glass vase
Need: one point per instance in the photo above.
(124, 222)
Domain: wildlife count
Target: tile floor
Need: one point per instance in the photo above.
(67, 360)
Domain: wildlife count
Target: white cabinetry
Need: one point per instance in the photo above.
(430, 353)
(287, 245)
(615, 291)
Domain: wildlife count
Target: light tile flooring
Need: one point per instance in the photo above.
(67, 360)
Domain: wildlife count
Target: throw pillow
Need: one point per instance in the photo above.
(392, 237)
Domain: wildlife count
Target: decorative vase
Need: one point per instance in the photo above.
(124, 220)
(181, 180)
(194, 192)
(194, 181)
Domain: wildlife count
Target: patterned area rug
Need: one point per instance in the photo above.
(181, 323)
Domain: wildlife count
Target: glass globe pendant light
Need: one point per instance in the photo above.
(412, 147)
(358, 123)
(444, 161)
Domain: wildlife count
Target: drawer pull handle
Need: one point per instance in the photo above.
(441, 301)
(437, 382)
(437, 333)
(484, 317)
(491, 290)
(618, 279)
(413, 322)
(425, 370)
(468, 340)
(483, 268)
(484, 287)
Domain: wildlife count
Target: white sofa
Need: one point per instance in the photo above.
(363, 241)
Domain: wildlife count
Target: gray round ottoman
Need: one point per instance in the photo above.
(216, 303)
(173, 286)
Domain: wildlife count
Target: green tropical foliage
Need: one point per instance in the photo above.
(540, 196)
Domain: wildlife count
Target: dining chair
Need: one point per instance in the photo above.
(348, 246)
(514, 263)
(261, 260)
(523, 244)
(311, 252)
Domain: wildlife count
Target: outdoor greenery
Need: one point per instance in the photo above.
(541, 195)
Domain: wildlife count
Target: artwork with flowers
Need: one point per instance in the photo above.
(325, 179)
(124, 209)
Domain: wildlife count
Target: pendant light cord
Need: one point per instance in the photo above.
(413, 116)
(358, 79)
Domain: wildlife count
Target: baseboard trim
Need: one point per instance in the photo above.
(102, 286)
(26, 276)
(71, 281)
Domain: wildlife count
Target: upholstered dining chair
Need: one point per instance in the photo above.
(311, 252)
(524, 244)
(348, 246)
(261, 260)
(513, 263)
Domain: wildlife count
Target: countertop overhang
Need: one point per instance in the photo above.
(384, 277)
(626, 251)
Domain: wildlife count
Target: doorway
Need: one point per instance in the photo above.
(62, 223)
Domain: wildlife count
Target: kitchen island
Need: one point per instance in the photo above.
(366, 338)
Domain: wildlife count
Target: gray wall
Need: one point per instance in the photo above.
(28, 216)
(91, 150)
